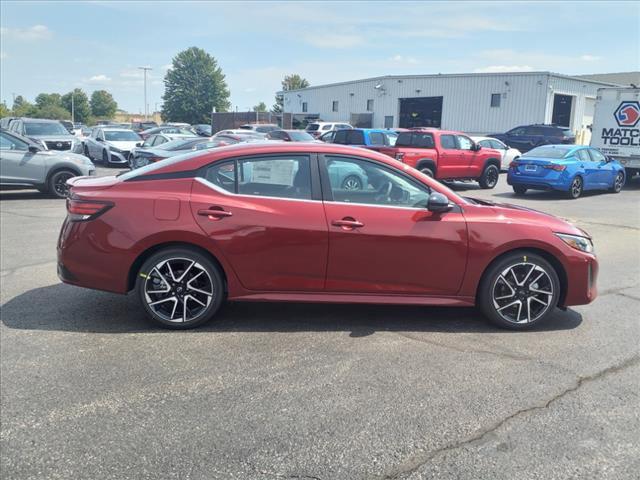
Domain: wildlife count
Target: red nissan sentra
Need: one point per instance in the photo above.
(314, 223)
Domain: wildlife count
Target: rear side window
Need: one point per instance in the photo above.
(404, 139)
(423, 140)
(340, 137)
(283, 176)
(223, 175)
(448, 142)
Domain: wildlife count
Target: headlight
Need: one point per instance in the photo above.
(114, 149)
(583, 244)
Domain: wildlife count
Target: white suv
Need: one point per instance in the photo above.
(319, 128)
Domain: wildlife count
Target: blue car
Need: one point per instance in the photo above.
(567, 168)
(372, 138)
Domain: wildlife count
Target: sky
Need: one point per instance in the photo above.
(57, 46)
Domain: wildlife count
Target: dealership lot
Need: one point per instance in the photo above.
(90, 389)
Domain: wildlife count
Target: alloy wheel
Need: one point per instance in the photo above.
(352, 183)
(576, 187)
(492, 176)
(618, 182)
(522, 293)
(178, 290)
(60, 187)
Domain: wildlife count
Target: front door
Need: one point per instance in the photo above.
(383, 240)
(17, 163)
(268, 221)
(452, 161)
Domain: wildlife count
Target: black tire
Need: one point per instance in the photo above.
(149, 280)
(519, 189)
(57, 183)
(86, 152)
(490, 176)
(618, 183)
(352, 182)
(105, 158)
(492, 286)
(575, 189)
(428, 172)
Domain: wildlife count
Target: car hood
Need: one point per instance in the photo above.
(124, 145)
(520, 214)
(54, 138)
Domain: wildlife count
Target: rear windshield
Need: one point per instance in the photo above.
(548, 151)
(121, 136)
(312, 127)
(152, 167)
(180, 144)
(45, 128)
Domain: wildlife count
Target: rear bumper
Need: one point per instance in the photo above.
(539, 183)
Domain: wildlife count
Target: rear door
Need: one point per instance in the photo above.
(266, 215)
(382, 240)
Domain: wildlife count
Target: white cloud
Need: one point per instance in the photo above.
(335, 40)
(404, 59)
(504, 68)
(589, 58)
(99, 79)
(131, 74)
(37, 32)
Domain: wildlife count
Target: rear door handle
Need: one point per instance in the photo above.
(214, 213)
(347, 223)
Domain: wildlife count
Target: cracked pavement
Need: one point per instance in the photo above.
(89, 389)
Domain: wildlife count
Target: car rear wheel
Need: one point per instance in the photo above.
(180, 288)
(519, 291)
(618, 183)
(519, 190)
(57, 184)
(575, 190)
(489, 178)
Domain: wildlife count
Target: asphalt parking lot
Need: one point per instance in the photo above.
(90, 389)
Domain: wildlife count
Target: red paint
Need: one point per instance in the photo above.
(280, 249)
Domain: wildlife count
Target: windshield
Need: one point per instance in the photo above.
(45, 128)
(300, 137)
(121, 136)
(548, 151)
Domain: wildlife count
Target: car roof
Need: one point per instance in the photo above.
(38, 120)
(117, 129)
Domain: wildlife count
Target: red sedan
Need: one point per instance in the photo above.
(278, 222)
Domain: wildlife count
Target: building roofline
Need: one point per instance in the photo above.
(449, 75)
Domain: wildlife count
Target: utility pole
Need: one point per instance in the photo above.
(73, 108)
(146, 106)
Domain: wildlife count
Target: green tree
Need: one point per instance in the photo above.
(82, 109)
(54, 112)
(45, 99)
(102, 104)
(22, 108)
(193, 86)
(4, 110)
(290, 82)
(261, 107)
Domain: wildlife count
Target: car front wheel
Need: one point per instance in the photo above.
(57, 184)
(618, 183)
(180, 288)
(519, 291)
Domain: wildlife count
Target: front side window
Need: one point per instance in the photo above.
(159, 141)
(8, 142)
(497, 144)
(465, 142)
(223, 175)
(597, 156)
(448, 142)
(359, 181)
(334, 106)
(583, 155)
(517, 132)
(485, 144)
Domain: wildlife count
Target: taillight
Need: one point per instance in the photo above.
(557, 168)
(514, 165)
(80, 210)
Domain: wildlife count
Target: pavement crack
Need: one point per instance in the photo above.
(416, 461)
(613, 291)
(612, 225)
(626, 295)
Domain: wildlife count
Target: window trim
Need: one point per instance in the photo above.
(335, 105)
(499, 97)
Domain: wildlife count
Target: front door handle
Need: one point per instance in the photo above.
(347, 223)
(214, 213)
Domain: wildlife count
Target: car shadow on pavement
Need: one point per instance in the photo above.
(25, 195)
(64, 308)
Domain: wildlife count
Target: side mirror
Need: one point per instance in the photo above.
(139, 144)
(33, 149)
(476, 147)
(438, 203)
(98, 139)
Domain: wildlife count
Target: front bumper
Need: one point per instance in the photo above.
(118, 157)
(582, 279)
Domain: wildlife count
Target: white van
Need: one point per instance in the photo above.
(319, 128)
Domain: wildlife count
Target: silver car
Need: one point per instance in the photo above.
(51, 134)
(26, 164)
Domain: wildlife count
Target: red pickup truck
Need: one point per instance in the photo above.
(446, 155)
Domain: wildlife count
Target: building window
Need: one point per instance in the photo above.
(495, 99)
(304, 106)
(388, 121)
(370, 105)
(334, 106)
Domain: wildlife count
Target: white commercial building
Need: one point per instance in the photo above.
(474, 103)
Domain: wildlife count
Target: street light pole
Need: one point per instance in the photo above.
(73, 108)
(146, 107)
